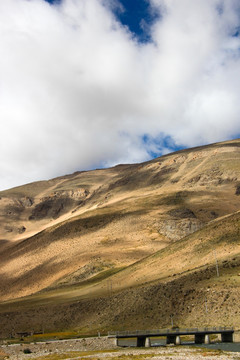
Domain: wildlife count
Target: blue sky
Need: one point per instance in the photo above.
(137, 15)
(90, 83)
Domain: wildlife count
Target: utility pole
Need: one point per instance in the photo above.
(206, 305)
(109, 286)
(216, 263)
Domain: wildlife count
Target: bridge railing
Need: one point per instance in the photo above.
(170, 331)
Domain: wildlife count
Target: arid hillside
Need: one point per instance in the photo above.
(122, 244)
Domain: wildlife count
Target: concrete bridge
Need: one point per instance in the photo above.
(173, 336)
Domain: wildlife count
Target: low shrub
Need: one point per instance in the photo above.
(27, 351)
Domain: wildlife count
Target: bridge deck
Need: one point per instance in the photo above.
(167, 332)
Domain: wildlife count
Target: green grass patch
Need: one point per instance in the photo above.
(48, 336)
(52, 336)
(210, 352)
(133, 357)
(75, 354)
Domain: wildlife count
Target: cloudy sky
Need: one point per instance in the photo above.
(91, 83)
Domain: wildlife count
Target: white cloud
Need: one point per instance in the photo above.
(77, 91)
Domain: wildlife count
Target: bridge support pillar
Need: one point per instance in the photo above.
(147, 342)
(227, 337)
(115, 341)
(199, 338)
(206, 339)
(141, 341)
(173, 339)
(177, 340)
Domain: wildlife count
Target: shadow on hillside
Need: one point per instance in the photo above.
(76, 227)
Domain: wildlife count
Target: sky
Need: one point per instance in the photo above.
(89, 84)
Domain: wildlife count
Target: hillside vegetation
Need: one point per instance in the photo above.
(125, 247)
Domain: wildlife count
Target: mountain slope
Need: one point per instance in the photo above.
(98, 233)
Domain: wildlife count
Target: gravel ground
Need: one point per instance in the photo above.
(57, 347)
(98, 345)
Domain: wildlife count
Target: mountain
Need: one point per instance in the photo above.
(126, 247)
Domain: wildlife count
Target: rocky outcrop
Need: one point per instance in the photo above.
(26, 201)
(76, 194)
(177, 229)
(58, 203)
(212, 177)
(181, 222)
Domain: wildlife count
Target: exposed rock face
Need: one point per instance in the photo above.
(181, 222)
(71, 194)
(26, 201)
(213, 177)
(177, 229)
(58, 203)
(51, 208)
